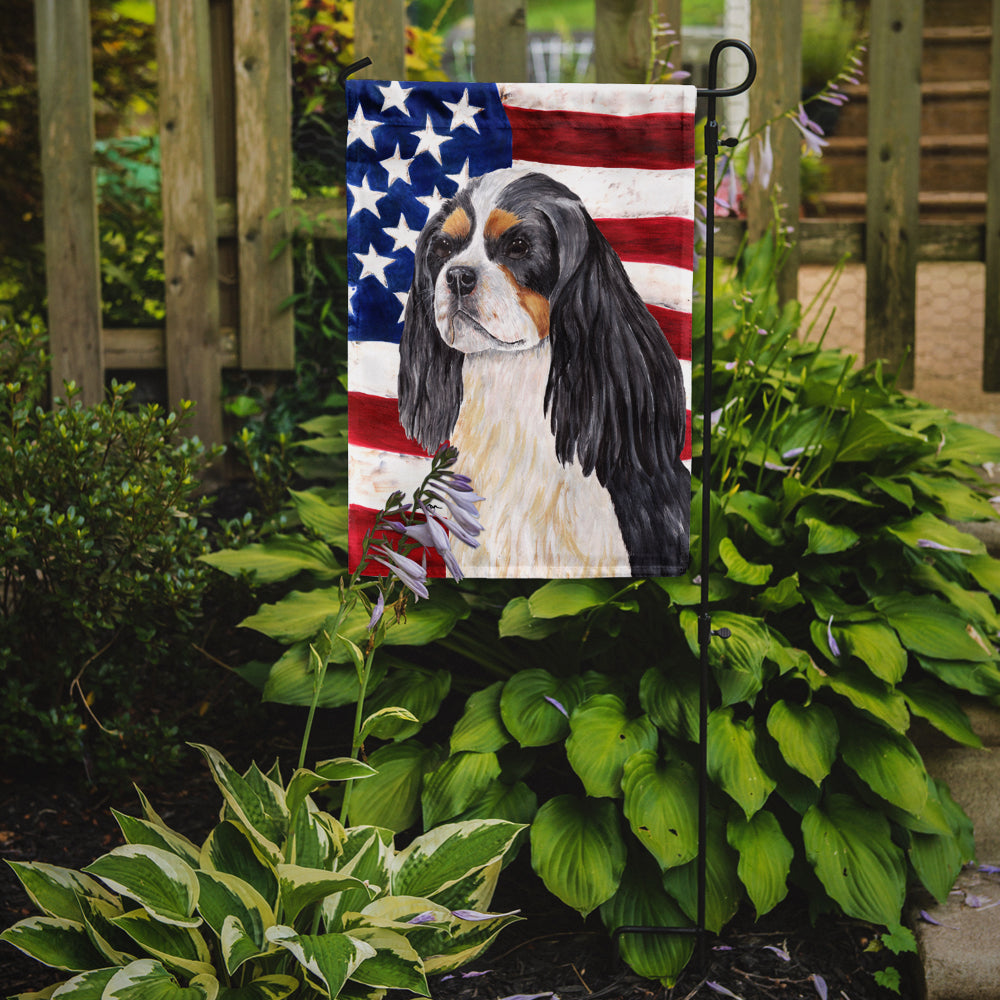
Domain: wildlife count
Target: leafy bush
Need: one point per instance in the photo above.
(279, 899)
(854, 603)
(99, 539)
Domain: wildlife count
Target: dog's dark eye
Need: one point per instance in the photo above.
(440, 247)
(518, 247)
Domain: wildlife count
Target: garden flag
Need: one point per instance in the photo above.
(520, 280)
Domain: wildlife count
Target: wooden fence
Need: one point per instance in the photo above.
(226, 160)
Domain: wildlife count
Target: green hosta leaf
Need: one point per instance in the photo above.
(661, 799)
(301, 887)
(928, 528)
(957, 501)
(385, 723)
(827, 539)
(456, 784)
(976, 678)
(850, 848)
(869, 436)
(783, 595)
(758, 511)
(941, 709)
(395, 964)
(558, 598)
(180, 948)
(275, 987)
(528, 710)
(225, 897)
(304, 782)
(671, 699)
(159, 881)
(56, 891)
(438, 859)
(292, 680)
(141, 831)
(739, 569)
(466, 941)
(54, 941)
(517, 620)
(976, 605)
(641, 901)
(481, 728)
(765, 858)
(723, 889)
(876, 646)
(888, 763)
(865, 692)
(932, 628)
(147, 979)
(738, 661)
(893, 488)
(279, 558)
(732, 760)
(578, 851)
(807, 736)
(602, 738)
(230, 849)
(986, 571)
(330, 959)
(965, 443)
(937, 859)
(516, 803)
(391, 798)
(415, 689)
(325, 519)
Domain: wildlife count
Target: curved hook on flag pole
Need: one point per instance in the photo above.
(352, 68)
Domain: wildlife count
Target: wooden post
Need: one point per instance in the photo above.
(893, 183)
(991, 333)
(501, 41)
(776, 35)
(380, 34)
(622, 40)
(72, 255)
(190, 253)
(262, 60)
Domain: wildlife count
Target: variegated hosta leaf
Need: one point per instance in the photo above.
(468, 939)
(329, 959)
(441, 857)
(395, 964)
(661, 800)
(642, 902)
(456, 784)
(476, 890)
(732, 760)
(158, 880)
(602, 737)
(300, 887)
(177, 947)
(578, 851)
(54, 941)
(304, 782)
(230, 849)
(481, 727)
(86, 986)
(765, 858)
(56, 891)
(807, 736)
(116, 946)
(850, 847)
(274, 987)
(141, 831)
(315, 838)
(147, 979)
(367, 853)
(225, 897)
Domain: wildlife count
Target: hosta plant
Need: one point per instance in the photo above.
(279, 900)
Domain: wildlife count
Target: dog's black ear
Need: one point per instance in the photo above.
(430, 372)
(615, 393)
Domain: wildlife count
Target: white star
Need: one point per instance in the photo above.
(402, 235)
(395, 97)
(374, 264)
(462, 177)
(361, 128)
(463, 113)
(351, 289)
(433, 201)
(402, 296)
(430, 141)
(364, 197)
(397, 168)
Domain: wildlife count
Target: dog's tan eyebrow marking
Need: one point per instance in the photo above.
(498, 222)
(458, 225)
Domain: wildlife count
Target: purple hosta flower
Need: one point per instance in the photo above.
(927, 918)
(719, 988)
(457, 496)
(761, 163)
(427, 917)
(475, 915)
(989, 869)
(465, 975)
(927, 543)
(531, 996)
(377, 611)
(780, 952)
(430, 534)
(812, 134)
(410, 573)
(820, 983)
(834, 648)
(559, 705)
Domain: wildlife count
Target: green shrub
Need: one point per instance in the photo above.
(99, 541)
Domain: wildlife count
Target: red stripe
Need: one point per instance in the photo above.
(649, 142)
(373, 422)
(360, 520)
(655, 240)
(676, 327)
(686, 451)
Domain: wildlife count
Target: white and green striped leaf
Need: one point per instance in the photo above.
(301, 887)
(329, 959)
(273, 987)
(225, 896)
(56, 891)
(304, 781)
(177, 947)
(55, 941)
(229, 848)
(142, 831)
(147, 979)
(86, 986)
(395, 964)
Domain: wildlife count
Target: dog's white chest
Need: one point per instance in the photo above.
(540, 518)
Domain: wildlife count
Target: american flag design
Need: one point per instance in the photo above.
(627, 151)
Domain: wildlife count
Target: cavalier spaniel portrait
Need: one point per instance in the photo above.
(527, 348)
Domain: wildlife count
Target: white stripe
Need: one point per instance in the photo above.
(373, 367)
(372, 475)
(604, 99)
(624, 193)
(661, 284)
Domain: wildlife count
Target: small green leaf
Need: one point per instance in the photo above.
(481, 727)
(559, 598)
(671, 699)
(517, 620)
(765, 858)
(827, 539)
(739, 569)
(732, 760)
(807, 736)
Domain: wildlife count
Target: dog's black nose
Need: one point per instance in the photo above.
(461, 280)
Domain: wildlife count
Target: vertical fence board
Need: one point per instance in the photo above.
(72, 256)
(262, 60)
(380, 34)
(501, 41)
(776, 34)
(991, 333)
(190, 254)
(621, 40)
(893, 183)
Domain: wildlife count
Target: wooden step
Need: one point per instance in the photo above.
(940, 13)
(957, 206)
(956, 53)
